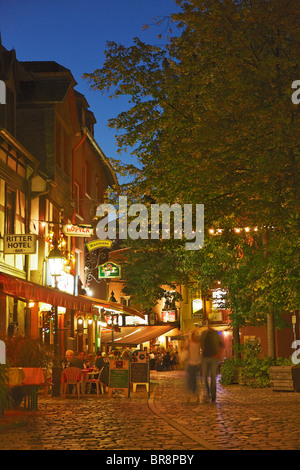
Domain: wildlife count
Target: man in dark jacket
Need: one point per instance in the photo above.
(211, 345)
(102, 362)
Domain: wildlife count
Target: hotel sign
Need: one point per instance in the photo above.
(78, 230)
(23, 244)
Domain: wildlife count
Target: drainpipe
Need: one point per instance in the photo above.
(83, 138)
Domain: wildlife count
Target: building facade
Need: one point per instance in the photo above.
(53, 175)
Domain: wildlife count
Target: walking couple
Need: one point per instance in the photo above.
(203, 351)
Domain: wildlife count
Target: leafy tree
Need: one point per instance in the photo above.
(211, 121)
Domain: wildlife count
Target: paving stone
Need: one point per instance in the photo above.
(242, 418)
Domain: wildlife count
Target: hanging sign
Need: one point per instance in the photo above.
(77, 230)
(168, 316)
(19, 244)
(109, 271)
(94, 244)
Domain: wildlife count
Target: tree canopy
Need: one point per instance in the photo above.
(211, 121)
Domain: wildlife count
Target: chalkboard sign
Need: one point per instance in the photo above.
(119, 378)
(139, 372)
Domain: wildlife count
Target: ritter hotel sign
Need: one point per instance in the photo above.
(23, 244)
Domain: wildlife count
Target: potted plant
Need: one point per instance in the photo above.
(5, 398)
(26, 352)
(285, 376)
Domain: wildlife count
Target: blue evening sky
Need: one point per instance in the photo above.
(74, 34)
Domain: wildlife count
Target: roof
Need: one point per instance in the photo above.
(45, 67)
(44, 91)
(135, 335)
(108, 170)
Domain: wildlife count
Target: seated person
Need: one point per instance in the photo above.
(90, 362)
(82, 356)
(100, 362)
(73, 361)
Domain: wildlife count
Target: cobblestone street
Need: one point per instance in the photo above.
(241, 419)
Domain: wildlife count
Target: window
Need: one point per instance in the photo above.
(10, 199)
(12, 159)
(125, 301)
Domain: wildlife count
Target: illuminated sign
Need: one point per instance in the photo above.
(197, 308)
(219, 298)
(94, 244)
(168, 316)
(77, 231)
(109, 270)
(23, 244)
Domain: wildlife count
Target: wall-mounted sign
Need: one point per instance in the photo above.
(94, 244)
(219, 298)
(168, 315)
(197, 308)
(19, 244)
(65, 282)
(109, 271)
(77, 230)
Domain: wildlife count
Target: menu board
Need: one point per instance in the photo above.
(139, 372)
(140, 369)
(118, 374)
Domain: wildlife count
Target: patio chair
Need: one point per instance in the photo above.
(97, 381)
(71, 376)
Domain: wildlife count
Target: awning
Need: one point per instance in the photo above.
(135, 335)
(30, 291)
(115, 306)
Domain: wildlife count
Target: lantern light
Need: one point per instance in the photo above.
(56, 261)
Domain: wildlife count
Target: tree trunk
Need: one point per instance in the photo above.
(236, 342)
(271, 336)
(270, 316)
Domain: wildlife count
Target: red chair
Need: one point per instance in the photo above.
(71, 376)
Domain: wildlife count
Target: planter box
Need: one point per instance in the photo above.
(286, 378)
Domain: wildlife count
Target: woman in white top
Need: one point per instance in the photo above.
(193, 361)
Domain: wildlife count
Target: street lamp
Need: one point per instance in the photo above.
(56, 262)
(112, 299)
